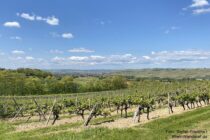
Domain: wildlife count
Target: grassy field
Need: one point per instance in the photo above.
(160, 129)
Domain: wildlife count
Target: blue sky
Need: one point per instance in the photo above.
(104, 34)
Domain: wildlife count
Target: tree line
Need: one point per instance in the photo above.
(38, 82)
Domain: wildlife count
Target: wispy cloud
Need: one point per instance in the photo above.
(96, 60)
(18, 52)
(199, 7)
(1, 53)
(62, 35)
(80, 50)
(15, 38)
(26, 16)
(201, 11)
(146, 57)
(155, 58)
(102, 22)
(78, 58)
(19, 58)
(67, 35)
(179, 56)
(172, 28)
(160, 58)
(199, 3)
(54, 34)
(29, 58)
(56, 51)
(14, 24)
(51, 20)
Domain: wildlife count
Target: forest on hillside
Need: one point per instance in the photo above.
(38, 82)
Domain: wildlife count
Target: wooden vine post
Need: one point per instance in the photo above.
(169, 103)
(92, 113)
(51, 112)
(18, 107)
(18, 112)
(39, 110)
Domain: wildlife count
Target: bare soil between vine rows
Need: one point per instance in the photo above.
(116, 123)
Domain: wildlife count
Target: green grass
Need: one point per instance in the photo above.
(155, 130)
(84, 80)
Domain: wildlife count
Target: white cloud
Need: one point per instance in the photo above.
(58, 59)
(179, 56)
(39, 18)
(26, 16)
(12, 24)
(63, 35)
(17, 59)
(51, 20)
(199, 3)
(80, 50)
(18, 52)
(120, 59)
(199, 7)
(29, 58)
(146, 57)
(56, 51)
(16, 38)
(67, 35)
(201, 11)
(78, 58)
(96, 59)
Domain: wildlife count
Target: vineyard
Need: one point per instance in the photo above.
(104, 70)
(144, 101)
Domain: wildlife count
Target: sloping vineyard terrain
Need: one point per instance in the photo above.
(141, 103)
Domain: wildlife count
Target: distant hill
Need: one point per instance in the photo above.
(81, 72)
(167, 73)
(141, 73)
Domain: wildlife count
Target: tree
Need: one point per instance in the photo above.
(34, 86)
